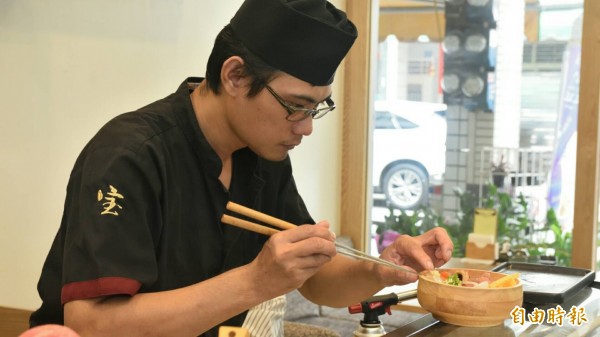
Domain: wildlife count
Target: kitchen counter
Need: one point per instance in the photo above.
(586, 304)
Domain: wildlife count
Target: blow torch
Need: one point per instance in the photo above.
(372, 308)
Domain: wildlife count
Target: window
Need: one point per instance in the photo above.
(354, 137)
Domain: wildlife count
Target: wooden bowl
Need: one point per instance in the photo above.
(467, 306)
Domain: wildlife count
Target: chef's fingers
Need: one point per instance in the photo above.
(405, 276)
(390, 276)
(440, 242)
(408, 250)
(306, 241)
(304, 232)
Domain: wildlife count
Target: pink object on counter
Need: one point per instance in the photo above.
(50, 330)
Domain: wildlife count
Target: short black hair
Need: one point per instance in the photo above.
(227, 44)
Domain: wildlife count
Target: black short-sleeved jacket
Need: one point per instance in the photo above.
(143, 208)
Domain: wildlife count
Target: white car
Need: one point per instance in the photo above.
(409, 151)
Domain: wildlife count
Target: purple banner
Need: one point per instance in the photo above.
(566, 128)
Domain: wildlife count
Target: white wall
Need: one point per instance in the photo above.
(66, 67)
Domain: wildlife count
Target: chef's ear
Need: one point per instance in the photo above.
(234, 79)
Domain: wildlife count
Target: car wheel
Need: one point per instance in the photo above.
(406, 186)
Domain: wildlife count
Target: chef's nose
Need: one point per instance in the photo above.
(303, 127)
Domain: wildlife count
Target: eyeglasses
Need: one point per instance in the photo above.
(296, 113)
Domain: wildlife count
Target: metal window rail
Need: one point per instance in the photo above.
(524, 167)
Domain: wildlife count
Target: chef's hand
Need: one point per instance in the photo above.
(292, 256)
(424, 252)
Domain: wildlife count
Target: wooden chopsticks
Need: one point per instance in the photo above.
(281, 224)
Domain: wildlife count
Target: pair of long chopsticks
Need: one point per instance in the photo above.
(254, 227)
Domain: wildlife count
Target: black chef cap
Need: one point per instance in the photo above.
(304, 38)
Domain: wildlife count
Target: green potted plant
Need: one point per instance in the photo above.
(500, 171)
(514, 226)
(411, 222)
(462, 224)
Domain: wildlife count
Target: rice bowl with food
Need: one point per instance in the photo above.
(469, 297)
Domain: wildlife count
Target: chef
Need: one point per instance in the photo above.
(141, 250)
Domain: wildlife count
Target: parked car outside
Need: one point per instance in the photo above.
(409, 151)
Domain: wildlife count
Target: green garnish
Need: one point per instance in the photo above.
(454, 279)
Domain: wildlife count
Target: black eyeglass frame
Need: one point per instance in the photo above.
(292, 111)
